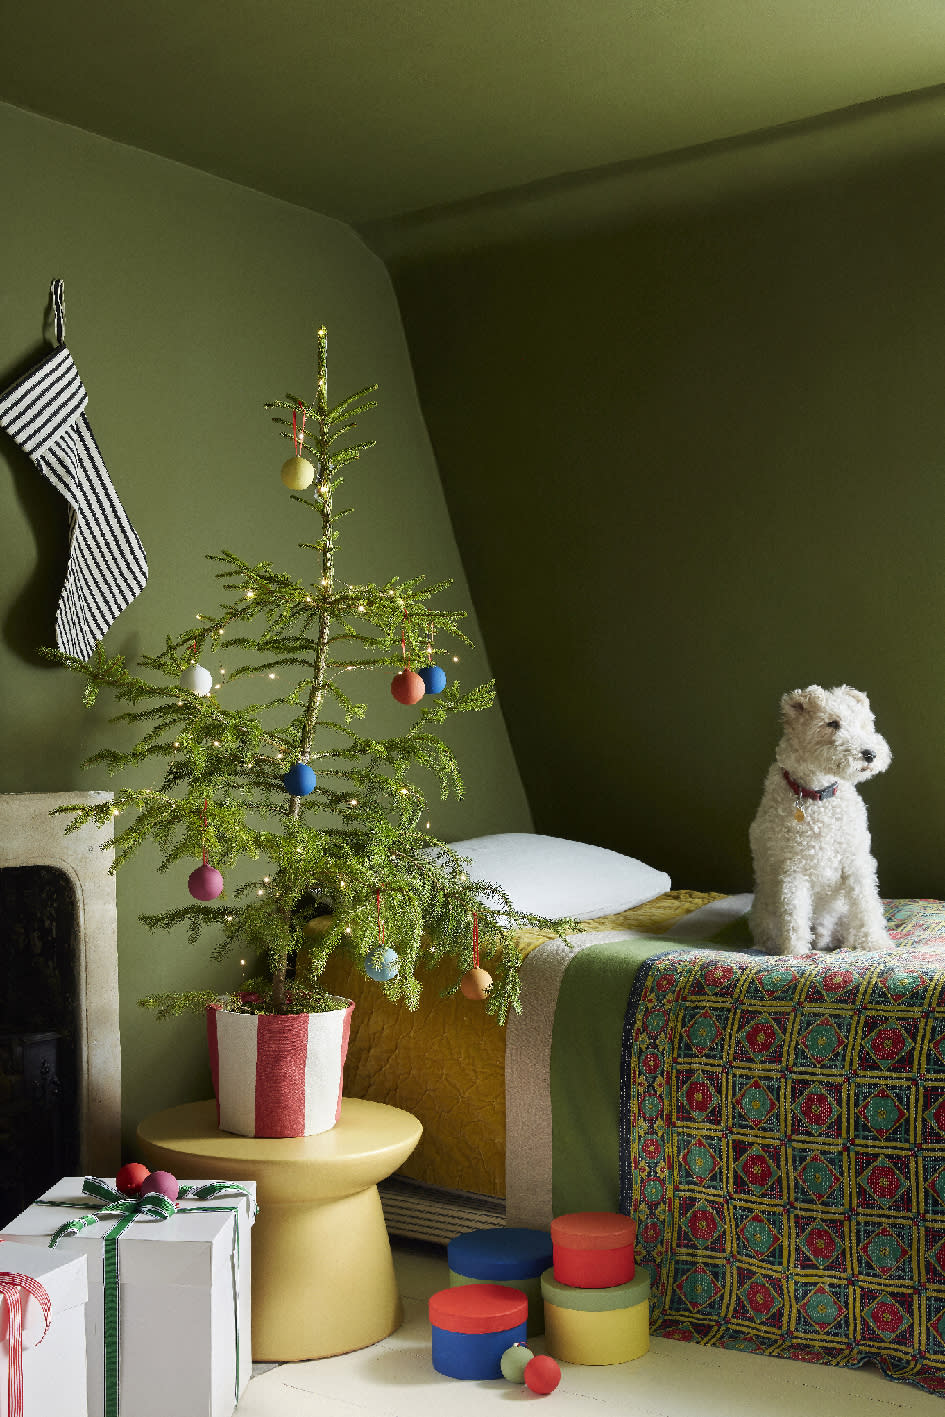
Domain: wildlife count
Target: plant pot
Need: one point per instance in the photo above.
(278, 1075)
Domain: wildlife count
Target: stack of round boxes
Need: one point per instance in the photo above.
(597, 1311)
(494, 1300)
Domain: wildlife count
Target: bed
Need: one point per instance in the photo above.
(776, 1126)
(446, 1062)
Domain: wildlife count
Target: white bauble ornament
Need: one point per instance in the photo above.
(197, 679)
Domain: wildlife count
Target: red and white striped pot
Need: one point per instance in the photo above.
(278, 1075)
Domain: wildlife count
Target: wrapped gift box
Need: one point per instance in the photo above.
(53, 1372)
(177, 1299)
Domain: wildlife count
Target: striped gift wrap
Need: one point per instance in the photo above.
(42, 1332)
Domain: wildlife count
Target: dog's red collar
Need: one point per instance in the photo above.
(820, 794)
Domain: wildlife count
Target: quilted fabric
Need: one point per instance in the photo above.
(783, 1150)
(445, 1063)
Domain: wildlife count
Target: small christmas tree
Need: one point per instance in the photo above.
(335, 814)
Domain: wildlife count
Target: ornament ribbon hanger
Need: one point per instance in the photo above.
(206, 882)
(407, 687)
(297, 472)
(476, 983)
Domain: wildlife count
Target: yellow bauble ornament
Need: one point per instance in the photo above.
(297, 473)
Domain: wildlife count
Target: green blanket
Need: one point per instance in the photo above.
(777, 1127)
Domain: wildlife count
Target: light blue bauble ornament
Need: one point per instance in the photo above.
(433, 677)
(299, 781)
(387, 969)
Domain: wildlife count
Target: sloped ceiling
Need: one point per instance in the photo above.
(370, 109)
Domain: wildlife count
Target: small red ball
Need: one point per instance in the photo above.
(205, 883)
(407, 687)
(542, 1374)
(131, 1178)
(160, 1183)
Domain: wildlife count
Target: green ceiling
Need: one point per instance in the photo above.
(368, 109)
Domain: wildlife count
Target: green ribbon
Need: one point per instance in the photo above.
(150, 1207)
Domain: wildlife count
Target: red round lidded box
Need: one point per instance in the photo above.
(473, 1325)
(593, 1249)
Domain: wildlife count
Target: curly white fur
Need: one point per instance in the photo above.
(815, 879)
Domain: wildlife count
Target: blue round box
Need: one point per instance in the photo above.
(469, 1338)
(515, 1257)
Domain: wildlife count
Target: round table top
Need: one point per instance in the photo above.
(367, 1143)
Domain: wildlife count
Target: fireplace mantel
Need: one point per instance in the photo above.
(30, 836)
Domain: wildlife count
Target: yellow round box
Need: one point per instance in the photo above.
(596, 1327)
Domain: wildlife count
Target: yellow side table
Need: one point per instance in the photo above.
(323, 1274)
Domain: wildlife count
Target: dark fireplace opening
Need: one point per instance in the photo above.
(39, 1115)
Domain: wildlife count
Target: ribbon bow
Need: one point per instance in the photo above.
(127, 1210)
(10, 1286)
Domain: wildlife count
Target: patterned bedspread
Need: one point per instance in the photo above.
(782, 1145)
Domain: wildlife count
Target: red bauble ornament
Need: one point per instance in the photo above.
(160, 1183)
(542, 1374)
(131, 1178)
(407, 687)
(205, 883)
(476, 983)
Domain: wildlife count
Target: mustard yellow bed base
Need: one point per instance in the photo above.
(445, 1063)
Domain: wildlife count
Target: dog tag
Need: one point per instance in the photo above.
(798, 814)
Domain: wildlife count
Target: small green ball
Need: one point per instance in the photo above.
(513, 1362)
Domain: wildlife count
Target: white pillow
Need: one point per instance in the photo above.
(547, 875)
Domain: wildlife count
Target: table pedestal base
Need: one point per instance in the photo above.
(323, 1278)
(323, 1274)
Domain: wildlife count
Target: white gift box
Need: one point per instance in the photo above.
(184, 1301)
(53, 1372)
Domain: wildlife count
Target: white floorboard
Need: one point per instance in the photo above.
(395, 1378)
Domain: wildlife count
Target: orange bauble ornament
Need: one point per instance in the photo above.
(476, 984)
(407, 687)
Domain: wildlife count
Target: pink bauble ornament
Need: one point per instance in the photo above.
(297, 473)
(131, 1178)
(542, 1374)
(407, 687)
(476, 984)
(205, 883)
(160, 1183)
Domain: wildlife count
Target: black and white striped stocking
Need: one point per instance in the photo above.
(44, 412)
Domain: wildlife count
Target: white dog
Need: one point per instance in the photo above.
(815, 879)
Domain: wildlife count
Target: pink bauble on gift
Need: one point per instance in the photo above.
(160, 1183)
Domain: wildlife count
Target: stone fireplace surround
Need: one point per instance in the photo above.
(29, 836)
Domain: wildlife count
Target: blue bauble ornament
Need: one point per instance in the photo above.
(433, 677)
(299, 781)
(387, 969)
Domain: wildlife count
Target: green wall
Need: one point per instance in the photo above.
(189, 302)
(694, 453)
